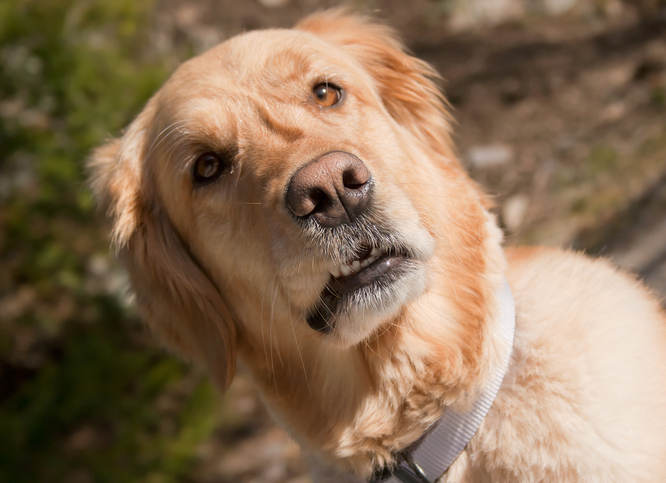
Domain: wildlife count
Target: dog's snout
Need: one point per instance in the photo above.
(333, 189)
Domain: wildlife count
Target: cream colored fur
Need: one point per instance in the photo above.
(224, 271)
(584, 399)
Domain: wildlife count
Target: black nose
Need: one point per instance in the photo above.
(333, 189)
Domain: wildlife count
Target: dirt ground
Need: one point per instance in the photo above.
(562, 118)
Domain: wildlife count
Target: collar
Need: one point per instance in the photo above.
(430, 457)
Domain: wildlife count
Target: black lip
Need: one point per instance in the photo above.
(366, 275)
(380, 271)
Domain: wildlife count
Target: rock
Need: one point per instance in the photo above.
(472, 13)
(273, 3)
(489, 156)
(514, 210)
(558, 7)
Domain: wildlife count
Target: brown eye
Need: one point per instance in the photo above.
(327, 94)
(209, 166)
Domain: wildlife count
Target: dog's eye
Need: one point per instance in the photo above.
(327, 94)
(209, 166)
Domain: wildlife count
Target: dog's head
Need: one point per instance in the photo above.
(296, 190)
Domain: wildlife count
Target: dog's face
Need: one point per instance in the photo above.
(282, 172)
(291, 185)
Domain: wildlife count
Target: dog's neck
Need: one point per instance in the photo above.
(358, 406)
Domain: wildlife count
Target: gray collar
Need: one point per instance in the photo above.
(430, 457)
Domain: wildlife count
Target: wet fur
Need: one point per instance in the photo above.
(225, 273)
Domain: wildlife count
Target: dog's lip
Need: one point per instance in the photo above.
(366, 275)
(367, 256)
(379, 271)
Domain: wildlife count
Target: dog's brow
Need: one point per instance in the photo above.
(165, 134)
(289, 133)
(290, 65)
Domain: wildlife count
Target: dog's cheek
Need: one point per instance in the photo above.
(301, 274)
(231, 244)
(399, 199)
(304, 291)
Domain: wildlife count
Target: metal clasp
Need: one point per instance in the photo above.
(413, 473)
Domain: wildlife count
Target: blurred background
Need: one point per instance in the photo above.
(561, 114)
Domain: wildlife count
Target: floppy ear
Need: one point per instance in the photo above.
(174, 294)
(406, 84)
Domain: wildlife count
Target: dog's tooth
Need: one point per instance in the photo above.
(346, 270)
(335, 271)
(356, 265)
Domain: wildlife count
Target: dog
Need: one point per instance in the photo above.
(292, 199)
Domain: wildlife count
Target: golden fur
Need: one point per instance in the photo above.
(223, 272)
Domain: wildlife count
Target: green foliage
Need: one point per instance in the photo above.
(74, 74)
(601, 159)
(82, 395)
(658, 96)
(95, 408)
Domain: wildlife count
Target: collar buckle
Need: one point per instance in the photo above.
(408, 471)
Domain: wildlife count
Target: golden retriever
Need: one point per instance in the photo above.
(291, 198)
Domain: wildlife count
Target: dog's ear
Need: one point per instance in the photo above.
(174, 294)
(406, 84)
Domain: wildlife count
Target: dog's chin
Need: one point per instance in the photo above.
(352, 308)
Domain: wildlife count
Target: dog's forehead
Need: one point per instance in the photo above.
(254, 70)
(260, 56)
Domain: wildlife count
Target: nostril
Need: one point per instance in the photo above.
(318, 201)
(354, 179)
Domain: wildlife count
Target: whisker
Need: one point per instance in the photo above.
(164, 134)
(300, 356)
(272, 320)
(262, 329)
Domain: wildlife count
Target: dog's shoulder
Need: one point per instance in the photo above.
(590, 352)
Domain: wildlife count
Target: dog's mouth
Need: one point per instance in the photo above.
(361, 281)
